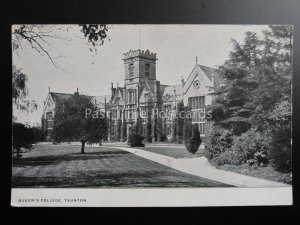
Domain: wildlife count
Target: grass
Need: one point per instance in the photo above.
(267, 172)
(63, 166)
(172, 152)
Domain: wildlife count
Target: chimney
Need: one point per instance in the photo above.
(76, 93)
(113, 90)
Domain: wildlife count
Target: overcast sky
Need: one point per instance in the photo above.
(176, 46)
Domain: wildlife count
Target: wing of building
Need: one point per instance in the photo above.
(142, 96)
(51, 101)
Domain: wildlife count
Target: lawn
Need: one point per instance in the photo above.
(174, 152)
(64, 166)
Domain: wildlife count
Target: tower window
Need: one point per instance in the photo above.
(147, 70)
(131, 97)
(131, 67)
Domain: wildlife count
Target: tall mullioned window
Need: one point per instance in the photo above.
(131, 97)
(198, 114)
(147, 70)
(197, 102)
(131, 68)
(49, 119)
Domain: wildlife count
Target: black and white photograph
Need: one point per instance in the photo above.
(131, 114)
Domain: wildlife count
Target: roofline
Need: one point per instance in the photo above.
(80, 94)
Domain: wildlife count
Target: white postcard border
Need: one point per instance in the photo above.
(149, 197)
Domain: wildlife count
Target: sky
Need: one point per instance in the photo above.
(176, 46)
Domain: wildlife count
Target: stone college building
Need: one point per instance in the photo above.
(142, 95)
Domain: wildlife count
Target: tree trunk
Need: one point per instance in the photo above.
(82, 147)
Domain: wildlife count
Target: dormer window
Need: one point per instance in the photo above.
(147, 70)
(131, 67)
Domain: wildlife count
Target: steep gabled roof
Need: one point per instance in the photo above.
(208, 71)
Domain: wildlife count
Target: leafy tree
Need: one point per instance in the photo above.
(20, 91)
(257, 76)
(39, 37)
(234, 98)
(257, 92)
(72, 124)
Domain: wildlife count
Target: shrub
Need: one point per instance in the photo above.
(23, 138)
(119, 127)
(251, 147)
(217, 141)
(135, 138)
(226, 157)
(280, 150)
(192, 139)
(123, 132)
(280, 127)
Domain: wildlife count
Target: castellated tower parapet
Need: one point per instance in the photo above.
(140, 53)
(139, 66)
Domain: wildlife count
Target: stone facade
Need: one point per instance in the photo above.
(142, 95)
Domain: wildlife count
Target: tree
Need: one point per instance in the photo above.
(179, 123)
(257, 92)
(234, 99)
(22, 138)
(78, 119)
(280, 132)
(20, 91)
(257, 76)
(38, 37)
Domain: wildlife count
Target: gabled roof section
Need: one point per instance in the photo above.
(208, 71)
(117, 98)
(99, 100)
(60, 96)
